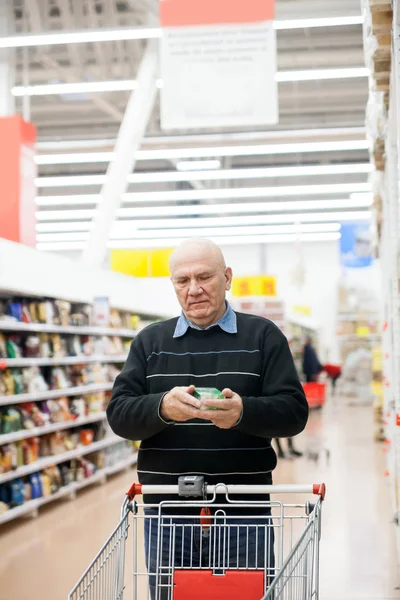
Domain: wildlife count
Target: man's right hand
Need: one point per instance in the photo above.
(179, 405)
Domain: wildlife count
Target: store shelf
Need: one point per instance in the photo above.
(64, 360)
(359, 338)
(24, 434)
(79, 390)
(49, 461)
(15, 326)
(33, 505)
(358, 317)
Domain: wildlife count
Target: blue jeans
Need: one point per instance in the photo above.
(181, 543)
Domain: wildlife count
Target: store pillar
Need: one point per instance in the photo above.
(7, 61)
(17, 176)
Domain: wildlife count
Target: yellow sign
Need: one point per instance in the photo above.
(302, 310)
(141, 263)
(363, 331)
(257, 285)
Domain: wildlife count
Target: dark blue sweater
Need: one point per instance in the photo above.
(255, 362)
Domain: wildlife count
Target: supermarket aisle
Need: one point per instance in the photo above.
(358, 561)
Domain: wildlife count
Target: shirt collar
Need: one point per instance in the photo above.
(227, 323)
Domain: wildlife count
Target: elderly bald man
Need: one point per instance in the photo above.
(208, 345)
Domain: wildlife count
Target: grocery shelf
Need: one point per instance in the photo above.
(49, 461)
(51, 394)
(24, 434)
(16, 326)
(33, 505)
(358, 317)
(63, 360)
(360, 338)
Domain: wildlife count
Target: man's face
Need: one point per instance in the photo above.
(200, 284)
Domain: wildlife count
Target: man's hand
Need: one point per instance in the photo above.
(229, 413)
(179, 405)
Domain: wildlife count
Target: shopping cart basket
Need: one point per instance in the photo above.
(315, 393)
(199, 546)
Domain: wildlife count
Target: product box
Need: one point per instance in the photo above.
(207, 394)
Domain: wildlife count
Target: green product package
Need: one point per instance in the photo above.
(208, 394)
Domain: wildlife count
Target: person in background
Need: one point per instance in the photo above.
(209, 345)
(311, 364)
(333, 372)
(291, 451)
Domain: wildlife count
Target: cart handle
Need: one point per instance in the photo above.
(318, 489)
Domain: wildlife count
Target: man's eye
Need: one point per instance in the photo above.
(205, 278)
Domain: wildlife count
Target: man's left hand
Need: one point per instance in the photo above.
(229, 410)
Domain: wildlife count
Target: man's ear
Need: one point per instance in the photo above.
(228, 278)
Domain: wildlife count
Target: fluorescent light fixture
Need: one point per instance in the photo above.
(123, 85)
(222, 241)
(144, 33)
(80, 37)
(82, 87)
(201, 232)
(70, 181)
(198, 165)
(209, 137)
(192, 223)
(252, 150)
(215, 175)
(211, 209)
(250, 173)
(319, 22)
(210, 194)
(75, 158)
(205, 152)
(320, 74)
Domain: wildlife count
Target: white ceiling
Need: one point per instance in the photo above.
(335, 108)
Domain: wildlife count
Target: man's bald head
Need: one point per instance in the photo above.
(197, 249)
(201, 279)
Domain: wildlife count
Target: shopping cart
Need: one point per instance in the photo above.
(199, 546)
(315, 393)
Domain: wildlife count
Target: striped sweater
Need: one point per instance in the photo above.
(255, 362)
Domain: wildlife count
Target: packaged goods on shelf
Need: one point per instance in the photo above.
(24, 495)
(263, 306)
(57, 368)
(358, 335)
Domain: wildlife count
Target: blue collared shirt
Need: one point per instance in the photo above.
(227, 322)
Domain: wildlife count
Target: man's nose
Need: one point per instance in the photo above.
(194, 288)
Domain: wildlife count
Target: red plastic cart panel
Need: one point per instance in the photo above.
(315, 393)
(200, 584)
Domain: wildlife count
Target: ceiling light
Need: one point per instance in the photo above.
(249, 173)
(205, 152)
(75, 158)
(123, 85)
(79, 37)
(143, 33)
(319, 22)
(210, 137)
(222, 241)
(70, 181)
(216, 175)
(204, 232)
(192, 223)
(319, 74)
(208, 194)
(82, 87)
(212, 209)
(252, 150)
(198, 165)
